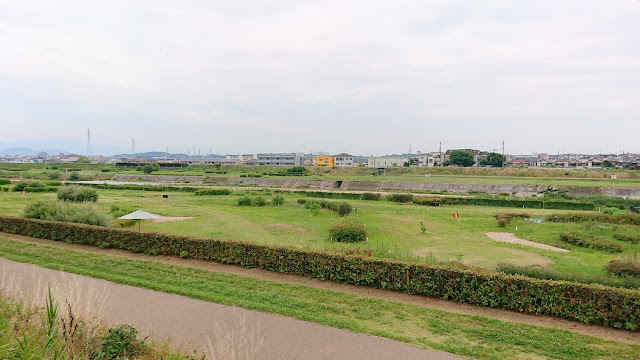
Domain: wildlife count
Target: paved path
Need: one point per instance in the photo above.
(234, 333)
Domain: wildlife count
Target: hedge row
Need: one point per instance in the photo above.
(586, 240)
(520, 203)
(620, 219)
(595, 304)
(329, 195)
(167, 188)
(31, 189)
(203, 192)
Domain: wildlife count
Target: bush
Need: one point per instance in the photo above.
(586, 240)
(620, 219)
(593, 304)
(519, 203)
(630, 237)
(404, 198)
(244, 201)
(429, 201)
(371, 196)
(120, 210)
(142, 187)
(204, 192)
(119, 343)
(348, 231)
(21, 185)
(5, 182)
(53, 175)
(259, 201)
(623, 268)
(301, 201)
(612, 211)
(67, 212)
(30, 189)
(344, 209)
(277, 201)
(74, 176)
(505, 218)
(77, 194)
(5, 189)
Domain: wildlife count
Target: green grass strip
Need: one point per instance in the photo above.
(472, 336)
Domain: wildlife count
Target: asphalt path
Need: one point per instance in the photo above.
(216, 330)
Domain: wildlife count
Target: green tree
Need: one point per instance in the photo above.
(607, 164)
(495, 160)
(84, 160)
(147, 169)
(461, 158)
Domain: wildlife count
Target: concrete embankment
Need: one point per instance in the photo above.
(383, 186)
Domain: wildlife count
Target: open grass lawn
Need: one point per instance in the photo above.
(393, 229)
(471, 336)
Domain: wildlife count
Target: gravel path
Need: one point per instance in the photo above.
(231, 332)
(512, 239)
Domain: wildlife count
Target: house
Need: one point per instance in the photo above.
(324, 160)
(386, 161)
(343, 160)
(428, 160)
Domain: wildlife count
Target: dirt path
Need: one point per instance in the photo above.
(512, 239)
(449, 306)
(232, 333)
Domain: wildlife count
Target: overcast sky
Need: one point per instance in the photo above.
(364, 77)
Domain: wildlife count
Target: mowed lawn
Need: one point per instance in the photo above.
(393, 229)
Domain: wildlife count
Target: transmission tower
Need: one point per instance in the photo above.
(89, 151)
(133, 146)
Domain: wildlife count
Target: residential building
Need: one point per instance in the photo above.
(386, 161)
(280, 159)
(324, 160)
(343, 160)
(428, 159)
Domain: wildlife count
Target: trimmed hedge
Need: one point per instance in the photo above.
(403, 198)
(629, 237)
(595, 304)
(204, 192)
(31, 189)
(623, 268)
(348, 231)
(141, 187)
(620, 219)
(589, 241)
(520, 203)
(5, 182)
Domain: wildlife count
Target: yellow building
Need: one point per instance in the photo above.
(324, 160)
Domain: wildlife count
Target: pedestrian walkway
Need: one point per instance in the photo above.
(226, 331)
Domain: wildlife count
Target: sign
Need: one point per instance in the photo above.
(455, 216)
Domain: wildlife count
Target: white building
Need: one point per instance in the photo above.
(428, 160)
(343, 160)
(386, 161)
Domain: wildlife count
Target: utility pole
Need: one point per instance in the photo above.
(440, 152)
(504, 158)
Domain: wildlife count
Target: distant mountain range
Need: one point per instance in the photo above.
(13, 151)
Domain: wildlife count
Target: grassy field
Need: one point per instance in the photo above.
(393, 229)
(541, 177)
(471, 336)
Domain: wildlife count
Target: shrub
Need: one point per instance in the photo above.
(620, 219)
(630, 237)
(586, 240)
(30, 189)
(301, 201)
(5, 189)
(119, 343)
(259, 201)
(505, 218)
(313, 207)
(371, 196)
(120, 210)
(277, 201)
(74, 176)
(594, 304)
(344, 209)
(77, 194)
(348, 231)
(204, 192)
(5, 182)
(429, 201)
(612, 211)
(244, 201)
(21, 185)
(67, 212)
(623, 268)
(404, 198)
(53, 175)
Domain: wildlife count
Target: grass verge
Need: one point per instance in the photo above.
(471, 336)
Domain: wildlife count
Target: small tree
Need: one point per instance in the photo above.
(495, 160)
(147, 169)
(607, 164)
(74, 176)
(461, 158)
(83, 160)
(422, 227)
